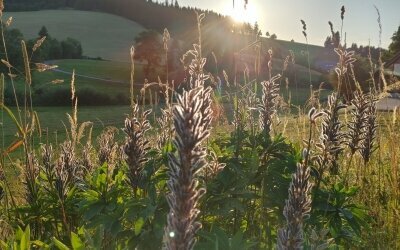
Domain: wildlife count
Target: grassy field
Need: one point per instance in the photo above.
(116, 75)
(99, 31)
(53, 118)
(116, 71)
(106, 77)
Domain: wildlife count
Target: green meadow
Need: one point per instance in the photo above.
(102, 35)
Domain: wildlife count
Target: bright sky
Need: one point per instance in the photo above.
(283, 17)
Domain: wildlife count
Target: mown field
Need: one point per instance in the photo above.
(96, 31)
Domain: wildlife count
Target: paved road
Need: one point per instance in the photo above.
(388, 104)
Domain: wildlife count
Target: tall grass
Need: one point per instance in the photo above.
(318, 180)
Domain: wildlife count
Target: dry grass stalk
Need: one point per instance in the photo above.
(331, 138)
(108, 147)
(190, 132)
(38, 43)
(358, 123)
(166, 129)
(343, 68)
(214, 166)
(57, 81)
(28, 76)
(9, 21)
(86, 161)
(268, 106)
(31, 174)
(192, 118)
(41, 67)
(76, 131)
(297, 209)
(132, 53)
(67, 173)
(136, 146)
(166, 38)
(73, 87)
(1, 8)
(67, 168)
(8, 65)
(47, 161)
(367, 146)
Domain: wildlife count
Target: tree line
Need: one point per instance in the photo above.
(51, 48)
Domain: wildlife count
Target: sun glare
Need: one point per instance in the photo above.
(241, 14)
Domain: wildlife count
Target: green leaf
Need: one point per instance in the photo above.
(76, 242)
(24, 244)
(59, 244)
(14, 119)
(138, 226)
(40, 244)
(93, 210)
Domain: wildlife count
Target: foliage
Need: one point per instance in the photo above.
(345, 219)
(148, 47)
(394, 46)
(155, 192)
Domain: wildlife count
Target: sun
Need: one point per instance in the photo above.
(243, 15)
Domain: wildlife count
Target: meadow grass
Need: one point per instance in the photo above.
(52, 119)
(115, 75)
(110, 70)
(105, 77)
(83, 188)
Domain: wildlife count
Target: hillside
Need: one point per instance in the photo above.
(102, 35)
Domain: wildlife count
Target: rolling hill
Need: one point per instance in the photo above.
(102, 35)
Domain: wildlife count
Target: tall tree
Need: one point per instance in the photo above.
(149, 48)
(394, 46)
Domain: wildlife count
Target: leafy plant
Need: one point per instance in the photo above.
(336, 210)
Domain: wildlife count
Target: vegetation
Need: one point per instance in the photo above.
(100, 30)
(216, 167)
(394, 46)
(97, 83)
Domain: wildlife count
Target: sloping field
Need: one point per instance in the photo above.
(102, 35)
(107, 77)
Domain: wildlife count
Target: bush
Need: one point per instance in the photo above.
(87, 96)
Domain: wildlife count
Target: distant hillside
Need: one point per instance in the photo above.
(102, 35)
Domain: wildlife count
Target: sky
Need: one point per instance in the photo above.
(282, 17)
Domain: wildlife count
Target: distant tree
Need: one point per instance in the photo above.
(267, 34)
(256, 28)
(336, 39)
(13, 39)
(149, 47)
(328, 42)
(55, 49)
(43, 32)
(71, 49)
(176, 4)
(394, 46)
(174, 55)
(292, 40)
(332, 42)
(273, 36)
